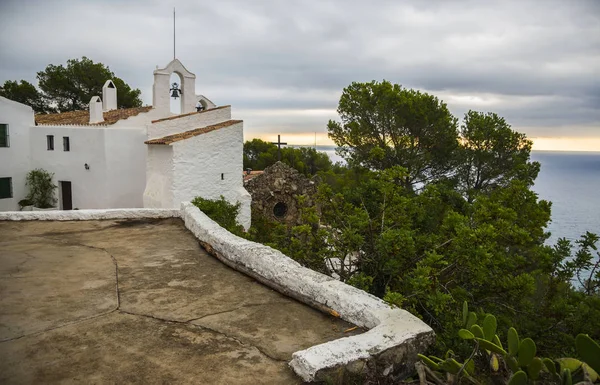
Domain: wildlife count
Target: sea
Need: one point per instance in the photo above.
(570, 180)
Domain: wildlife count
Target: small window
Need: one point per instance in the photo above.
(4, 138)
(222, 176)
(66, 144)
(6, 188)
(50, 142)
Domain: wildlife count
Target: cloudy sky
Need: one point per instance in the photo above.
(283, 64)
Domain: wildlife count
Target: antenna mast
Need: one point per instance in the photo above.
(173, 33)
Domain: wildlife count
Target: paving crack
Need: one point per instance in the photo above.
(151, 316)
(60, 326)
(113, 259)
(235, 309)
(261, 351)
(186, 323)
(28, 257)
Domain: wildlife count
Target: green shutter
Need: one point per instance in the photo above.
(3, 135)
(5, 188)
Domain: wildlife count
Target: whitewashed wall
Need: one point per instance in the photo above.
(159, 177)
(116, 159)
(87, 146)
(15, 160)
(125, 153)
(199, 162)
(190, 122)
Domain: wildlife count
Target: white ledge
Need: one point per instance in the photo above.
(87, 215)
(395, 336)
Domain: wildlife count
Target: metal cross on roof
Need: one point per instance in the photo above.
(279, 143)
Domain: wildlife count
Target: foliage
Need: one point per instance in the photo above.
(222, 212)
(384, 125)
(24, 202)
(24, 92)
(427, 239)
(491, 154)
(72, 86)
(518, 363)
(585, 266)
(41, 188)
(259, 155)
(426, 252)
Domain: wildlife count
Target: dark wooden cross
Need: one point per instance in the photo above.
(279, 143)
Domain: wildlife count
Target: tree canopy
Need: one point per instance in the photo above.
(70, 87)
(492, 154)
(24, 92)
(259, 155)
(385, 125)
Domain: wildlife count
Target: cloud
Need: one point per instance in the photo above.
(535, 63)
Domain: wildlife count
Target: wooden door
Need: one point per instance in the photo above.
(67, 197)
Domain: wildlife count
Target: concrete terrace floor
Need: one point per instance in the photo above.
(139, 301)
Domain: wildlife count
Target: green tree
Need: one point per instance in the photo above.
(126, 96)
(259, 155)
(384, 125)
(492, 154)
(72, 86)
(26, 93)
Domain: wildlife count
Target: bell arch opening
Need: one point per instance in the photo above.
(176, 87)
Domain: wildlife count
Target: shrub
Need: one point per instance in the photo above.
(515, 363)
(222, 212)
(24, 202)
(41, 189)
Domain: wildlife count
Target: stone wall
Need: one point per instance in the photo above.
(275, 192)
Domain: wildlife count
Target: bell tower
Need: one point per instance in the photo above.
(162, 88)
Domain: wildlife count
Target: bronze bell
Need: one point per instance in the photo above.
(175, 91)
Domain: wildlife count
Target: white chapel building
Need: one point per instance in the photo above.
(127, 158)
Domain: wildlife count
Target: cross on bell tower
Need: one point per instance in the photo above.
(279, 143)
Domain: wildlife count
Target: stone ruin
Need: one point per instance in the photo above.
(275, 191)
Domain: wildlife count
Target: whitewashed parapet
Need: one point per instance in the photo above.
(87, 215)
(390, 346)
(95, 125)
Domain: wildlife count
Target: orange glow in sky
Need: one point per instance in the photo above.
(539, 144)
(566, 144)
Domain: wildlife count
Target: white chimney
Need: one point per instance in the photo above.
(109, 96)
(96, 115)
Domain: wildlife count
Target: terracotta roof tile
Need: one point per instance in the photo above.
(82, 118)
(189, 134)
(252, 175)
(188, 114)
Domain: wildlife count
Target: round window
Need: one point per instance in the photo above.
(280, 209)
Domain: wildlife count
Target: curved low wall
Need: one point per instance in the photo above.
(390, 346)
(87, 215)
(395, 336)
